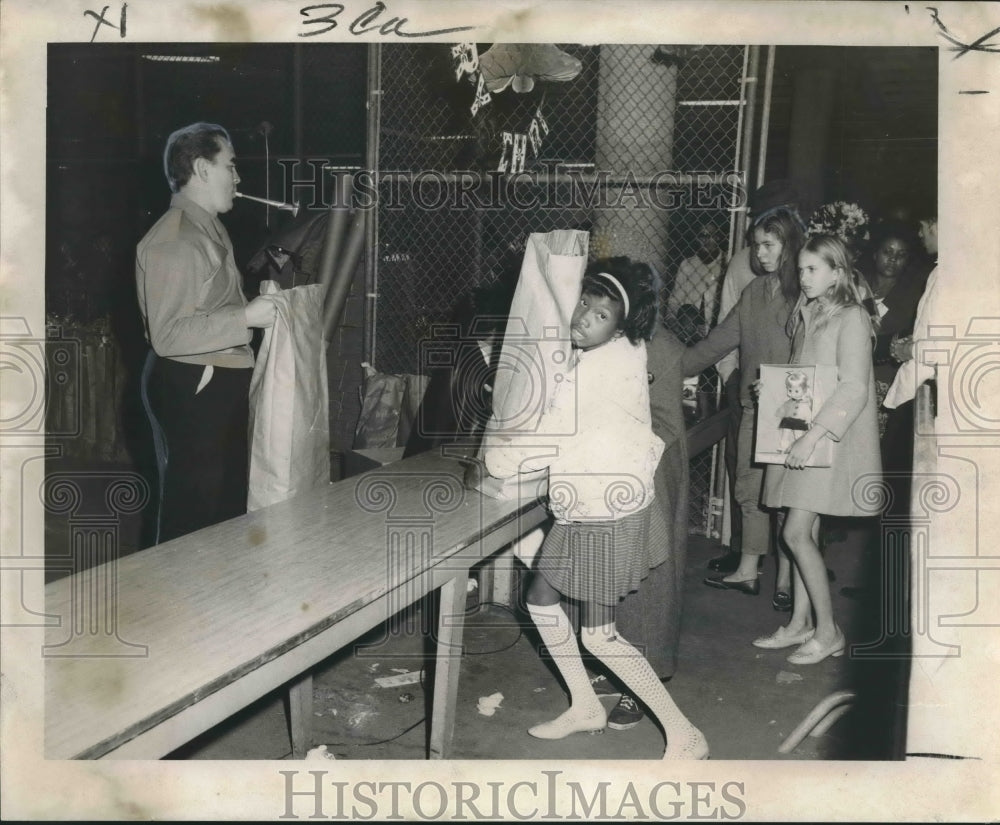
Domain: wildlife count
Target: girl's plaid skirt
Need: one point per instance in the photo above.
(604, 561)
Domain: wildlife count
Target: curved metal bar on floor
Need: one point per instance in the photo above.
(820, 718)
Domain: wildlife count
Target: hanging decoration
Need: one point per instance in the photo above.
(516, 67)
(466, 59)
(537, 130)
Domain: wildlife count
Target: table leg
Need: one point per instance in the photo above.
(503, 577)
(487, 581)
(300, 699)
(451, 624)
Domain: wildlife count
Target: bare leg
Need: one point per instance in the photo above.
(781, 553)
(801, 532)
(746, 570)
(801, 606)
(784, 581)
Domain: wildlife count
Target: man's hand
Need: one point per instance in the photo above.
(260, 312)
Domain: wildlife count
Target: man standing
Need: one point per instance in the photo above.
(198, 324)
(699, 277)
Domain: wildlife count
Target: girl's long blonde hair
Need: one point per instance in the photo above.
(849, 289)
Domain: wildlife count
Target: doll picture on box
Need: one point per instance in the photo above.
(790, 395)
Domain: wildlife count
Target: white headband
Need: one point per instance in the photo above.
(618, 285)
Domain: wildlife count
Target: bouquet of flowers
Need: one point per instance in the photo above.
(847, 221)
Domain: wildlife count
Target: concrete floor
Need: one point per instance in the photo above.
(745, 700)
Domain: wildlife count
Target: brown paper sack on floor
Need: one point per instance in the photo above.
(536, 345)
(289, 401)
(389, 406)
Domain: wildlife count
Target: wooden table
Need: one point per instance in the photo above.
(159, 646)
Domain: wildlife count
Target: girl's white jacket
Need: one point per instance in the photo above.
(595, 436)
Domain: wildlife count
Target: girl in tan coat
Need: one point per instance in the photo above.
(829, 325)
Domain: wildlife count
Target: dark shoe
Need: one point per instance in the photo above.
(750, 586)
(782, 601)
(603, 686)
(726, 563)
(626, 714)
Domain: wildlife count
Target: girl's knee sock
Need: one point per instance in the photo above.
(586, 711)
(684, 740)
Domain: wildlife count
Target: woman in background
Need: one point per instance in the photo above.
(758, 327)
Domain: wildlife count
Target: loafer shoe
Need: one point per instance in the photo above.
(726, 563)
(749, 586)
(572, 721)
(813, 652)
(782, 601)
(692, 746)
(783, 638)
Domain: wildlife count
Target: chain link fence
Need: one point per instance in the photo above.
(640, 148)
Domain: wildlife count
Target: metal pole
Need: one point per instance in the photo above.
(297, 99)
(719, 482)
(765, 119)
(371, 225)
(745, 138)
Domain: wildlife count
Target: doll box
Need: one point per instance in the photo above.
(790, 395)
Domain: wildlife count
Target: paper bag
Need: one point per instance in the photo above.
(536, 345)
(289, 401)
(389, 407)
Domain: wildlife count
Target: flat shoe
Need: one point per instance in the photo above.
(812, 652)
(782, 601)
(782, 638)
(695, 746)
(749, 586)
(571, 722)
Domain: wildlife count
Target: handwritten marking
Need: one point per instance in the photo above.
(978, 45)
(974, 92)
(367, 21)
(101, 21)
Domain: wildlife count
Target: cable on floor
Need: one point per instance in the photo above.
(520, 629)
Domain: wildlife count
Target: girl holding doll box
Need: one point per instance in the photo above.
(830, 324)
